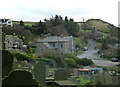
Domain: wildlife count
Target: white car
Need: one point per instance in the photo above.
(85, 49)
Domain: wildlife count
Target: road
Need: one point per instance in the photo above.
(91, 53)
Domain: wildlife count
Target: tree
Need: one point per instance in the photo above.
(66, 19)
(21, 23)
(104, 44)
(71, 27)
(40, 28)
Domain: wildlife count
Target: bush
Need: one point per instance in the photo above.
(71, 63)
(58, 60)
(21, 56)
(68, 55)
(50, 62)
(84, 61)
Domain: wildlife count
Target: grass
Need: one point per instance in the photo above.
(86, 30)
(79, 52)
(105, 34)
(77, 40)
(83, 81)
(25, 22)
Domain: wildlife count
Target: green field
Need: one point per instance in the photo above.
(25, 22)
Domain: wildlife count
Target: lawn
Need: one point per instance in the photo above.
(86, 30)
(77, 40)
(83, 81)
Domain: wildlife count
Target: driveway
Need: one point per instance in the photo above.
(91, 53)
(104, 63)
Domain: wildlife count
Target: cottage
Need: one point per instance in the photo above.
(6, 22)
(55, 45)
(84, 72)
(13, 42)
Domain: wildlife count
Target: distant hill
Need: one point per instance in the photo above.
(98, 24)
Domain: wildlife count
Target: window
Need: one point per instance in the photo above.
(61, 45)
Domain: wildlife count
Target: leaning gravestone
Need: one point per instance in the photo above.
(7, 60)
(40, 72)
(62, 74)
(19, 78)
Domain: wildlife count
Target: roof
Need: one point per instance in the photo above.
(16, 38)
(56, 39)
(84, 70)
(96, 68)
(65, 83)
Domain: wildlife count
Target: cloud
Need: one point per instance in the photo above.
(34, 10)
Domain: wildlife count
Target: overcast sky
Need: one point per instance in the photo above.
(34, 10)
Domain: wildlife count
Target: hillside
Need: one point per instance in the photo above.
(99, 25)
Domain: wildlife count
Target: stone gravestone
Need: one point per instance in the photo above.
(15, 64)
(24, 63)
(47, 70)
(19, 78)
(7, 60)
(40, 72)
(62, 74)
(75, 72)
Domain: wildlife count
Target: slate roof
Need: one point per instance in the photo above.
(13, 37)
(55, 39)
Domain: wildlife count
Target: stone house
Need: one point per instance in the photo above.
(13, 42)
(55, 45)
(6, 22)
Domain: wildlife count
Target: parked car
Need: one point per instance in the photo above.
(115, 60)
(85, 49)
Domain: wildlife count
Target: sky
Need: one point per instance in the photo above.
(36, 10)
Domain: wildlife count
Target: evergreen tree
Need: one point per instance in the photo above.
(21, 23)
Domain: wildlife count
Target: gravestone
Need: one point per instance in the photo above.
(24, 63)
(75, 72)
(40, 72)
(15, 64)
(7, 60)
(62, 74)
(19, 78)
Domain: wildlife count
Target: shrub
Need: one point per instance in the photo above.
(50, 62)
(84, 61)
(21, 56)
(69, 55)
(71, 63)
(58, 60)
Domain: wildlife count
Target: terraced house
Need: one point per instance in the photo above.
(55, 45)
